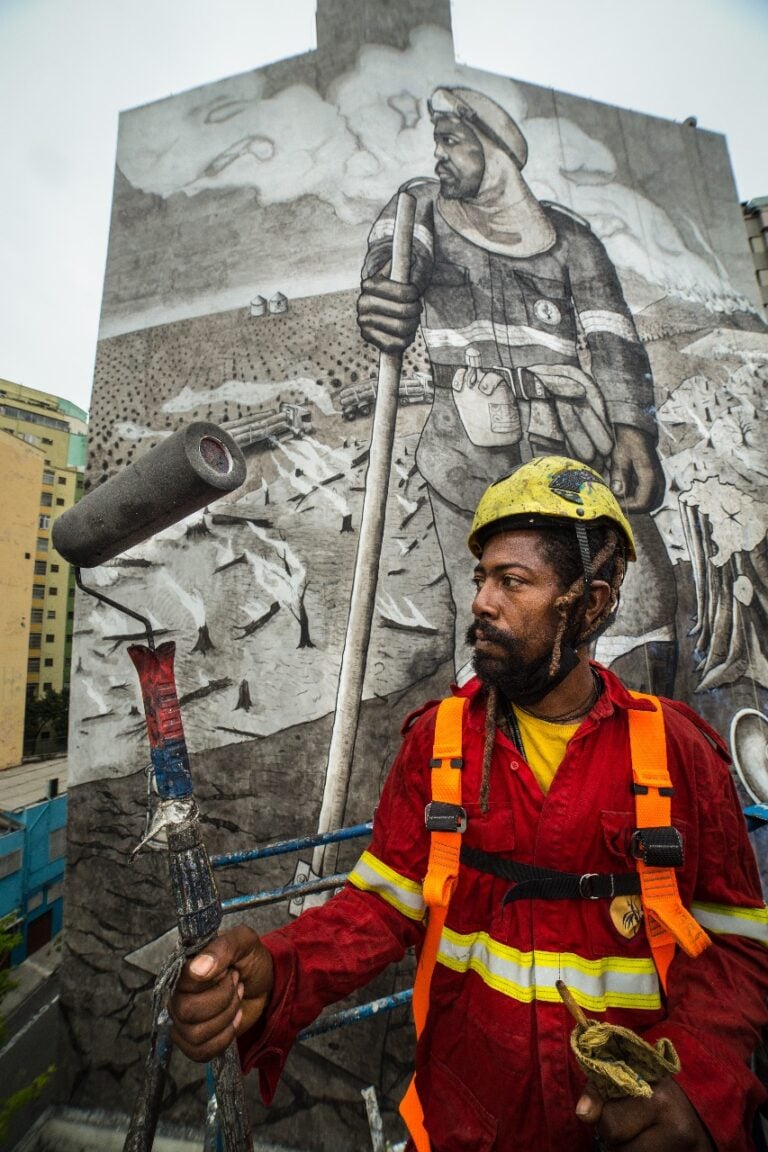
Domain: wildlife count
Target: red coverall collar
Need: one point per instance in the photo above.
(614, 697)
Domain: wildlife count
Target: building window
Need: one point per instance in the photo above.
(42, 543)
(46, 499)
(36, 616)
(41, 567)
(33, 418)
(47, 687)
(33, 665)
(56, 891)
(47, 440)
(47, 477)
(34, 901)
(53, 591)
(57, 843)
(50, 638)
(48, 663)
(59, 502)
(43, 521)
(38, 591)
(10, 863)
(50, 614)
(54, 567)
(61, 480)
(34, 639)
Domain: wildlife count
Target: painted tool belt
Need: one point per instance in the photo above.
(657, 847)
(487, 402)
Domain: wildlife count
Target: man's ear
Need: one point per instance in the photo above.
(599, 598)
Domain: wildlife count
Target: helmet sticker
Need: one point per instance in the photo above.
(570, 481)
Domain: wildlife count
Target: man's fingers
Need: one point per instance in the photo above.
(391, 290)
(209, 1038)
(191, 1004)
(589, 1106)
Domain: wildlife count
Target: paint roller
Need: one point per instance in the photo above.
(195, 466)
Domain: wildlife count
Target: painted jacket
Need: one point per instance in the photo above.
(514, 314)
(494, 1067)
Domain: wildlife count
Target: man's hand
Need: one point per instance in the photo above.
(221, 992)
(388, 314)
(637, 479)
(665, 1122)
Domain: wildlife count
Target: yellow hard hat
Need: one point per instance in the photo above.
(546, 488)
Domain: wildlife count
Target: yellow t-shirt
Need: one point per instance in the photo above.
(544, 745)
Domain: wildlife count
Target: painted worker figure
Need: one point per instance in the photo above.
(546, 779)
(533, 350)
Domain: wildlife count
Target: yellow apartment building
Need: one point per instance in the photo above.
(55, 431)
(22, 470)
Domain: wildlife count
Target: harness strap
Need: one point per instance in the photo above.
(438, 885)
(667, 921)
(534, 883)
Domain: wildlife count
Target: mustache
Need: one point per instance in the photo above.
(482, 629)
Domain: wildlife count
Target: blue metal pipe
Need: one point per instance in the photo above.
(273, 895)
(352, 1015)
(230, 859)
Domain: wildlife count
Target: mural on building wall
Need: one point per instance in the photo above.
(584, 286)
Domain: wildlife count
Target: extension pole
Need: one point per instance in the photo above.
(353, 659)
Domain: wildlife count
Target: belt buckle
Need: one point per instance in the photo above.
(442, 817)
(585, 886)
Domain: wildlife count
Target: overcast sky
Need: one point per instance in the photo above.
(67, 68)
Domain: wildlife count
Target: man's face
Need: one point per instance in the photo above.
(460, 159)
(515, 621)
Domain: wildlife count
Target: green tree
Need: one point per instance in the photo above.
(8, 1107)
(46, 713)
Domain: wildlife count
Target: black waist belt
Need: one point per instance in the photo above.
(534, 883)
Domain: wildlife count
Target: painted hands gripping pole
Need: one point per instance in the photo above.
(352, 671)
(192, 468)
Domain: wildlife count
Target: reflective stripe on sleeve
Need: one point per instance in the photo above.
(373, 875)
(385, 230)
(751, 922)
(612, 982)
(599, 320)
(512, 335)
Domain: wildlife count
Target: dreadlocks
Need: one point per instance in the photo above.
(609, 562)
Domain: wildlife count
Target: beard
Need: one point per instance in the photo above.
(454, 185)
(510, 673)
(519, 680)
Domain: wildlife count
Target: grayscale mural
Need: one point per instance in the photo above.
(580, 282)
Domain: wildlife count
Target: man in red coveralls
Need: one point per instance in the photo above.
(547, 781)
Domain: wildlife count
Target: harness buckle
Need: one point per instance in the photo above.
(441, 817)
(658, 847)
(586, 887)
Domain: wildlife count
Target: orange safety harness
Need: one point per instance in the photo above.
(668, 922)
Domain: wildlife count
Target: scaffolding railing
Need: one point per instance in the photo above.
(294, 891)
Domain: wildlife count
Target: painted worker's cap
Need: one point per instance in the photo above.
(484, 115)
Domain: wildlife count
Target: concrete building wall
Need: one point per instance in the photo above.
(22, 467)
(277, 180)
